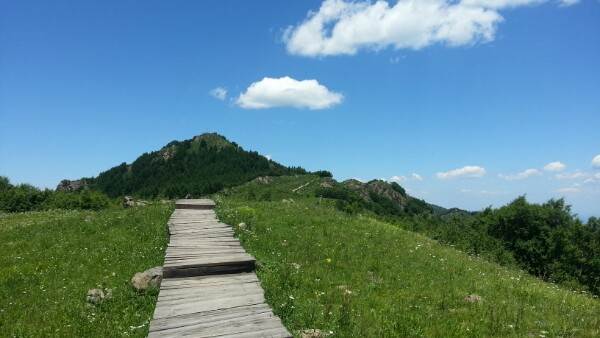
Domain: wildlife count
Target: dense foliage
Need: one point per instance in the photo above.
(24, 197)
(545, 239)
(202, 165)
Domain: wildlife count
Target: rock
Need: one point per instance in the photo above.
(327, 183)
(168, 152)
(263, 179)
(95, 296)
(242, 226)
(288, 201)
(313, 333)
(68, 185)
(473, 298)
(150, 278)
(128, 202)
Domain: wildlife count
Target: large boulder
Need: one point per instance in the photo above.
(68, 185)
(128, 202)
(150, 278)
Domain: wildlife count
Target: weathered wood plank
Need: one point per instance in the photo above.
(194, 204)
(209, 287)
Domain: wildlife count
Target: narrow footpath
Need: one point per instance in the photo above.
(209, 287)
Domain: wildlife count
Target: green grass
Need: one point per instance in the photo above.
(359, 277)
(49, 260)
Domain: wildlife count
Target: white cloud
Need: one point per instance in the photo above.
(467, 171)
(572, 176)
(482, 192)
(402, 178)
(219, 93)
(568, 190)
(593, 179)
(555, 166)
(288, 92)
(268, 157)
(567, 3)
(500, 4)
(345, 27)
(522, 175)
(596, 161)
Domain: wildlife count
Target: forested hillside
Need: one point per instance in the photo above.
(201, 165)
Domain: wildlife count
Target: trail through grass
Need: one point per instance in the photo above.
(49, 260)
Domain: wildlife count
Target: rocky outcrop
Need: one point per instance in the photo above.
(129, 202)
(75, 185)
(263, 180)
(378, 188)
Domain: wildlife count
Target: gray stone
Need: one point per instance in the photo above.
(150, 278)
(95, 296)
(128, 202)
(473, 298)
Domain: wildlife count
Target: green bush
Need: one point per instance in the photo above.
(24, 197)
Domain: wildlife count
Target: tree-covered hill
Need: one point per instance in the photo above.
(201, 165)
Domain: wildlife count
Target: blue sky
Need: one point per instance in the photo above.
(496, 86)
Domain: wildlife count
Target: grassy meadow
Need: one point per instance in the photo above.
(50, 259)
(355, 276)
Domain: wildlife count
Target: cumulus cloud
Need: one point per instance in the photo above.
(572, 176)
(402, 178)
(555, 166)
(596, 162)
(467, 172)
(593, 178)
(568, 190)
(288, 92)
(345, 27)
(567, 3)
(522, 175)
(219, 93)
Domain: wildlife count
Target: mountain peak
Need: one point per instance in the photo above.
(214, 140)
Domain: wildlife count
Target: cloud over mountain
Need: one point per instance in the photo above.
(288, 92)
(345, 27)
(464, 172)
(522, 175)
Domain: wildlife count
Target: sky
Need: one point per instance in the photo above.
(465, 103)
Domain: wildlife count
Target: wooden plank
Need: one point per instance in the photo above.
(194, 204)
(209, 288)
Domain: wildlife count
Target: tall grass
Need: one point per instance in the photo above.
(355, 276)
(49, 260)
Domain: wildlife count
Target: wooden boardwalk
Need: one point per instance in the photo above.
(209, 287)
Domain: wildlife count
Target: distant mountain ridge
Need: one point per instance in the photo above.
(201, 165)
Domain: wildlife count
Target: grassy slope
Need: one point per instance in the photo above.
(357, 276)
(48, 261)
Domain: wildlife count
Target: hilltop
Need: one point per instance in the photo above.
(201, 165)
